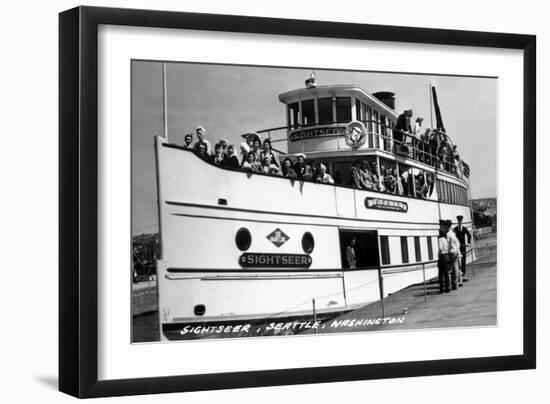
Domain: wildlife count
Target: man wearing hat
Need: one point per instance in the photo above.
(200, 136)
(463, 235)
(443, 269)
(454, 251)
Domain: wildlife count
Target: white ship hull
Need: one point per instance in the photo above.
(202, 206)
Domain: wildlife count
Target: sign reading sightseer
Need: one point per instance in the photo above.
(316, 132)
(258, 260)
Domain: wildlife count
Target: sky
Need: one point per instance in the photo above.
(229, 100)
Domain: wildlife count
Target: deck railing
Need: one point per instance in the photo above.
(386, 138)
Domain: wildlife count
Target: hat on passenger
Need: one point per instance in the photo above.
(449, 222)
(459, 217)
(442, 222)
(200, 127)
(301, 155)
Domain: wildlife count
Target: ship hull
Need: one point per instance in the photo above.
(204, 278)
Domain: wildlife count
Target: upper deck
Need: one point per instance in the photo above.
(342, 123)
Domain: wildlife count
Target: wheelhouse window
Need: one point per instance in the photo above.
(369, 124)
(325, 110)
(375, 128)
(358, 114)
(308, 112)
(343, 109)
(385, 250)
(404, 250)
(417, 252)
(293, 113)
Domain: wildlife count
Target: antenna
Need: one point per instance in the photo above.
(164, 103)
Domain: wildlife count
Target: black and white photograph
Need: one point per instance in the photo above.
(285, 201)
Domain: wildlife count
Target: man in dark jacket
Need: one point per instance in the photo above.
(403, 125)
(463, 235)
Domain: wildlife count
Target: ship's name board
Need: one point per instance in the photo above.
(316, 132)
(386, 204)
(259, 260)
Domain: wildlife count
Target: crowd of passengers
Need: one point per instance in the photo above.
(364, 175)
(426, 144)
(258, 156)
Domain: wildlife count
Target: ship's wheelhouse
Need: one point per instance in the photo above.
(317, 118)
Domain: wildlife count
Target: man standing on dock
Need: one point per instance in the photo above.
(454, 250)
(461, 234)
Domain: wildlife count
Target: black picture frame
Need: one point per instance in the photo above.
(78, 201)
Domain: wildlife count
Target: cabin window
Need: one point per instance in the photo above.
(358, 113)
(308, 112)
(325, 110)
(417, 252)
(293, 112)
(404, 250)
(343, 109)
(430, 248)
(243, 239)
(385, 250)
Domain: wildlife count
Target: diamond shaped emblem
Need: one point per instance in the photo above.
(277, 237)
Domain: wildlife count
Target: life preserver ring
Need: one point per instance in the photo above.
(356, 134)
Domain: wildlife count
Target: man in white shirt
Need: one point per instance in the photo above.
(454, 254)
(201, 140)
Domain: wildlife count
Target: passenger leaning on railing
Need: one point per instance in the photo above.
(389, 180)
(355, 175)
(303, 171)
(251, 164)
(287, 170)
(366, 179)
(231, 160)
(267, 167)
(217, 157)
(323, 176)
(201, 151)
(268, 152)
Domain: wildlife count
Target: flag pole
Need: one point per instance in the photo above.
(164, 103)
(431, 106)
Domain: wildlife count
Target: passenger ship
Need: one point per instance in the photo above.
(246, 247)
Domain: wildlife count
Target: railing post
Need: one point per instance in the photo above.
(473, 262)
(314, 315)
(424, 280)
(381, 286)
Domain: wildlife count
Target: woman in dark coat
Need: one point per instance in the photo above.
(231, 160)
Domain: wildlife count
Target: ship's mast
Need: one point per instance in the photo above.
(164, 103)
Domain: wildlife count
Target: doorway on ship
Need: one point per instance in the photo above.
(365, 248)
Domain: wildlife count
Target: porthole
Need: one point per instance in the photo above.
(199, 310)
(243, 239)
(308, 243)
